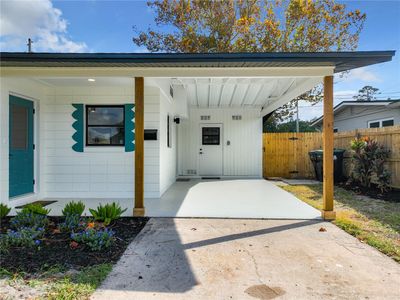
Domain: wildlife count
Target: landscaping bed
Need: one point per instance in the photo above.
(392, 195)
(66, 257)
(55, 248)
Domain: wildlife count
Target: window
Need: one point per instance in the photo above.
(335, 130)
(210, 135)
(380, 123)
(105, 125)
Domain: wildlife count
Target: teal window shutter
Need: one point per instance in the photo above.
(129, 128)
(77, 125)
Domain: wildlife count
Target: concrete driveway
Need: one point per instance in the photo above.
(249, 259)
(235, 198)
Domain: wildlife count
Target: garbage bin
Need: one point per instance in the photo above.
(316, 156)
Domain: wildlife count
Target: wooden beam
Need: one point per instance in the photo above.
(138, 210)
(327, 209)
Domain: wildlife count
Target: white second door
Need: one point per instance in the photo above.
(210, 150)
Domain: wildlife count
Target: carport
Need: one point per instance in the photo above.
(262, 81)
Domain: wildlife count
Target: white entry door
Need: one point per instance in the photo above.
(210, 150)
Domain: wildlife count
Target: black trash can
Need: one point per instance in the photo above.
(316, 156)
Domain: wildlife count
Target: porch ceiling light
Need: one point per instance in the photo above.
(91, 79)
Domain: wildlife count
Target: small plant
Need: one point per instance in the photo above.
(36, 209)
(72, 223)
(107, 213)
(4, 210)
(73, 208)
(26, 218)
(94, 239)
(23, 237)
(369, 159)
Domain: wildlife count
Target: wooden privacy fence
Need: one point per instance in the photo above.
(286, 154)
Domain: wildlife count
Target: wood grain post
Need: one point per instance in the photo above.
(138, 209)
(327, 208)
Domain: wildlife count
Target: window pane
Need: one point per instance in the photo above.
(387, 123)
(106, 136)
(105, 116)
(19, 127)
(210, 136)
(374, 125)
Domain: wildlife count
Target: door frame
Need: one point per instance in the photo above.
(33, 195)
(200, 137)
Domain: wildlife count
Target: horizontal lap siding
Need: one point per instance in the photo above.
(97, 172)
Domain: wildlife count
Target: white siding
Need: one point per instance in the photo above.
(97, 172)
(243, 157)
(355, 117)
(167, 155)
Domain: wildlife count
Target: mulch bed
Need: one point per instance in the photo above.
(56, 251)
(392, 195)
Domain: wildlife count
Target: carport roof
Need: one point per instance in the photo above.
(341, 61)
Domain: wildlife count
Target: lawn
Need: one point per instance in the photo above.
(375, 222)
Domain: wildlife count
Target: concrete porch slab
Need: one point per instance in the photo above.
(249, 259)
(241, 198)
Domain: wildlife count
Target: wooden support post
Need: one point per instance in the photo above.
(138, 210)
(327, 209)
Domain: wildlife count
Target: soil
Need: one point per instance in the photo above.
(55, 249)
(393, 195)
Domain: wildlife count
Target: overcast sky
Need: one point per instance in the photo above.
(107, 26)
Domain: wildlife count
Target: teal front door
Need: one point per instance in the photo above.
(21, 178)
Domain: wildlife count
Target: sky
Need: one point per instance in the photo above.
(108, 26)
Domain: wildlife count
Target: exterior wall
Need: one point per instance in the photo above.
(243, 157)
(32, 91)
(98, 172)
(167, 154)
(356, 117)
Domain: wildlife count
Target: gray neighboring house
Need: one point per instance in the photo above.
(350, 115)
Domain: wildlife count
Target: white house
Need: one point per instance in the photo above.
(350, 115)
(95, 126)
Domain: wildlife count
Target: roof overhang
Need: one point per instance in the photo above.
(188, 65)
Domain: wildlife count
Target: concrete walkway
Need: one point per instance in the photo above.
(249, 259)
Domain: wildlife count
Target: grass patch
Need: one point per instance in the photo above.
(57, 283)
(80, 285)
(375, 222)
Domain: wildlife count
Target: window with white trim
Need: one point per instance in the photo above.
(381, 123)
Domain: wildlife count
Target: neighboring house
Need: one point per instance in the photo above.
(350, 115)
(73, 126)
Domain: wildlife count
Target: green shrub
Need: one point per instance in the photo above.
(4, 210)
(26, 218)
(72, 223)
(94, 239)
(107, 213)
(36, 209)
(369, 159)
(23, 237)
(73, 208)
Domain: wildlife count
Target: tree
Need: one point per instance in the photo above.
(289, 126)
(199, 26)
(367, 93)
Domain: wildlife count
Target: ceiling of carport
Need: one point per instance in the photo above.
(238, 92)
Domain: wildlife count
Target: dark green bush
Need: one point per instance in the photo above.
(36, 209)
(107, 213)
(4, 210)
(74, 208)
